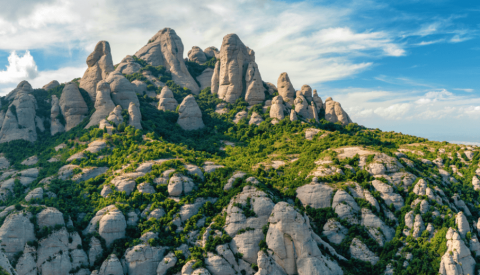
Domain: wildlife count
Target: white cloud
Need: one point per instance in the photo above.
(24, 68)
(464, 90)
(19, 68)
(301, 38)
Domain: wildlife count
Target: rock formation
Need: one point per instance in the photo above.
(116, 115)
(295, 245)
(212, 52)
(277, 110)
(318, 101)
(166, 100)
(255, 119)
(255, 93)
(52, 84)
(135, 117)
(19, 121)
(205, 79)
(103, 104)
(190, 115)
(306, 92)
(73, 106)
(236, 65)
(123, 92)
(166, 48)
(128, 65)
(55, 125)
(457, 259)
(334, 112)
(197, 55)
(100, 64)
(302, 107)
(285, 89)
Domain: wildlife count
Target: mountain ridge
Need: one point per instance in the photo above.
(141, 168)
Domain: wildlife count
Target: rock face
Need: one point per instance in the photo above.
(211, 52)
(166, 48)
(135, 116)
(73, 106)
(316, 195)
(236, 74)
(55, 125)
(255, 119)
(190, 115)
(15, 232)
(111, 266)
(295, 245)
(111, 224)
(103, 104)
(285, 89)
(167, 102)
(457, 259)
(277, 109)
(128, 65)
(19, 121)
(334, 112)
(302, 107)
(306, 92)
(52, 84)
(360, 251)
(318, 101)
(123, 92)
(255, 93)
(205, 79)
(116, 115)
(100, 64)
(197, 55)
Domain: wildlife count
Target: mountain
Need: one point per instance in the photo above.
(165, 165)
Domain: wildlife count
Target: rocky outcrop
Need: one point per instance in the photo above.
(73, 106)
(143, 259)
(457, 259)
(388, 195)
(293, 117)
(122, 91)
(315, 195)
(318, 101)
(135, 117)
(100, 64)
(111, 224)
(462, 224)
(19, 121)
(52, 84)
(360, 251)
(111, 266)
(115, 116)
(255, 93)
(166, 100)
(335, 113)
(205, 78)
(285, 89)
(103, 104)
(128, 65)
(294, 244)
(255, 119)
(15, 232)
(376, 228)
(334, 231)
(239, 116)
(302, 107)
(190, 115)
(55, 125)
(277, 110)
(345, 206)
(212, 52)
(306, 92)
(197, 55)
(179, 184)
(166, 48)
(236, 74)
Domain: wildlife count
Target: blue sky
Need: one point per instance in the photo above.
(411, 67)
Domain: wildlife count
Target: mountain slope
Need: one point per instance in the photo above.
(271, 181)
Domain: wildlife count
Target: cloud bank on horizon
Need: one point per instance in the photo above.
(408, 67)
